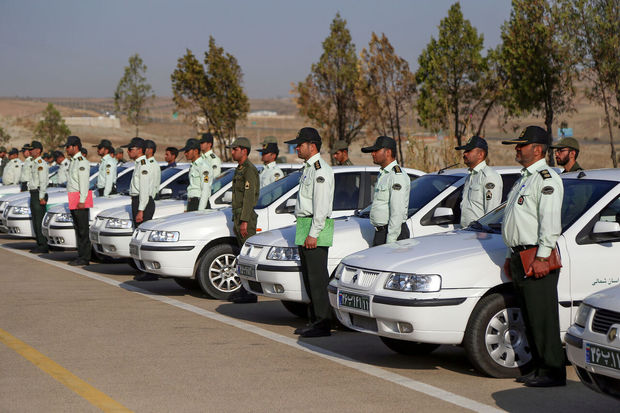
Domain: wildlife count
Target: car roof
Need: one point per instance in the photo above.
(607, 174)
(463, 171)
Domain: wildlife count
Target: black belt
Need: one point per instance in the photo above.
(520, 248)
(381, 228)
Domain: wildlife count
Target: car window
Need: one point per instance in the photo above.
(347, 191)
(611, 213)
(178, 186)
(223, 179)
(275, 190)
(122, 183)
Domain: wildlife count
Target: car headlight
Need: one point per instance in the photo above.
(283, 254)
(583, 312)
(164, 236)
(20, 210)
(64, 217)
(425, 283)
(119, 223)
(339, 270)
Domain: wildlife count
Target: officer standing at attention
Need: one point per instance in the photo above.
(199, 188)
(118, 154)
(390, 201)
(63, 168)
(37, 185)
(245, 190)
(315, 199)
(340, 152)
(149, 151)
(271, 172)
(566, 153)
(106, 179)
(13, 169)
(79, 174)
(141, 187)
(532, 219)
(482, 191)
(213, 161)
(3, 159)
(26, 166)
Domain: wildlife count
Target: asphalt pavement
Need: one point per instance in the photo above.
(92, 338)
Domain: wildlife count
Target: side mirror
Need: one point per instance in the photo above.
(443, 216)
(227, 197)
(289, 206)
(165, 193)
(606, 231)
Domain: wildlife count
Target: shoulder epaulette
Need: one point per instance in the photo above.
(545, 174)
(213, 156)
(397, 169)
(317, 165)
(143, 162)
(80, 158)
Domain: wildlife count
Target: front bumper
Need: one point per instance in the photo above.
(60, 236)
(277, 279)
(20, 226)
(112, 242)
(169, 259)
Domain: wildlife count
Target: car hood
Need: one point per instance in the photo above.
(195, 225)
(608, 299)
(162, 209)
(53, 199)
(464, 259)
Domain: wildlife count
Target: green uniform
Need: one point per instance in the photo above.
(390, 202)
(482, 192)
(12, 172)
(315, 199)
(25, 173)
(199, 188)
(270, 173)
(37, 185)
(155, 172)
(576, 167)
(78, 181)
(533, 218)
(347, 162)
(245, 191)
(106, 179)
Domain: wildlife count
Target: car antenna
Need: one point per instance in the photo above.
(581, 175)
(439, 172)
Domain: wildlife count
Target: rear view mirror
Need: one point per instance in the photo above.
(443, 216)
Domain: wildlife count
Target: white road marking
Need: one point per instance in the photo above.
(378, 372)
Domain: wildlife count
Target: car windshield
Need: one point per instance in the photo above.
(223, 179)
(579, 196)
(423, 190)
(169, 173)
(276, 189)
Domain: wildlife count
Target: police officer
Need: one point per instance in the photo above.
(63, 168)
(270, 172)
(482, 191)
(340, 152)
(199, 188)
(78, 181)
(26, 168)
(213, 161)
(245, 190)
(170, 156)
(150, 149)
(13, 169)
(118, 154)
(141, 186)
(315, 199)
(532, 219)
(566, 153)
(37, 185)
(3, 159)
(106, 179)
(390, 201)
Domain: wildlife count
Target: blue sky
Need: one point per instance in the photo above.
(79, 48)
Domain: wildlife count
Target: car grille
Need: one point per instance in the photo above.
(603, 319)
(356, 278)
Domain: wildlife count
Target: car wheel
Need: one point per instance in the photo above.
(495, 340)
(187, 283)
(217, 274)
(409, 348)
(298, 309)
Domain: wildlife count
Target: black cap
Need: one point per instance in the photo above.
(531, 134)
(381, 142)
(26, 147)
(84, 151)
(206, 138)
(56, 154)
(105, 143)
(190, 144)
(13, 151)
(474, 142)
(36, 145)
(149, 144)
(72, 141)
(269, 148)
(305, 135)
(135, 143)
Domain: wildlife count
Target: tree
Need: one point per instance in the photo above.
(133, 92)
(386, 89)
(51, 130)
(211, 94)
(4, 136)
(538, 61)
(593, 26)
(450, 69)
(328, 94)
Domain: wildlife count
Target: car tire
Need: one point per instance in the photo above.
(495, 340)
(296, 308)
(408, 348)
(216, 273)
(187, 283)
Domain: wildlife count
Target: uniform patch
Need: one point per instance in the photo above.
(39, 161)
(489, 195)
(276, 175)
(398, 170)
(80, 158)
(17, 166)
(108, 165)
(317, 165)
(548, 190)
(520, 200)
(545, 174)
(490, 185)
(396, 187)
(142, 162)
(247, 184)
(107, 172)
(320, 179)
(145, 172)
(214, 166)
(82, 168)
(206, 178)
(40, 168)
(213, 155)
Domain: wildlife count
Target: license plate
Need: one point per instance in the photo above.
(358, 302)
(134, 251)
(602, 356)
(246, 271)
(94, 237)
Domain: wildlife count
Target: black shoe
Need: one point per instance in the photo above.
(39, 250)
(301, 330)
(247, 298)
(545, 381)
(316, 332)
(78, 262)
(146, 277)
(526, 377)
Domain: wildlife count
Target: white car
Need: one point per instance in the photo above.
(450, 288)
(593, 341)
(269, 262)
(201, 246)
(7, 190)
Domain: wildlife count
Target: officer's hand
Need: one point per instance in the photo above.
(243, 229)
(310, 242)
(507, 269)
(81, 205)
(42, 201)
(539, 268)
(140, 216)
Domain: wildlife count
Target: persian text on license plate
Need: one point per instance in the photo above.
(134, 251)
(246, 271)
(359, 302)
(602, 356)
